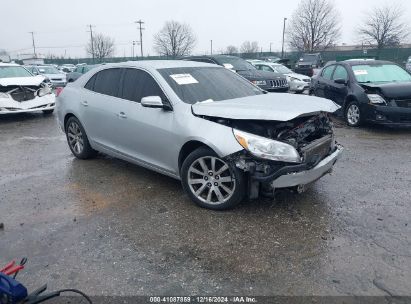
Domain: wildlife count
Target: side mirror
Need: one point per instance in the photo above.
(152, 102)
(341, 81)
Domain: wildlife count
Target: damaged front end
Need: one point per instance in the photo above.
(30, 97)
(287, 154)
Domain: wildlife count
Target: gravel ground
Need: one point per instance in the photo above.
(111, 228)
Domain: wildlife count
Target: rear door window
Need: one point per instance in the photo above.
(107, 82)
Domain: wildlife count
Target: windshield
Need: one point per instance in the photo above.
(309, 58)
(281, 69)
(207, 83)
(48, 70)
(236, 63)
(14, 71)
(380, 73)
(88, 68)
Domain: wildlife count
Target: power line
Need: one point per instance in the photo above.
(34, 44)
(140, 23)
(91, 40)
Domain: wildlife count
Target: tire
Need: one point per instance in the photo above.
(77, 139)
(198, 175)
(353, 115)
(48, 112)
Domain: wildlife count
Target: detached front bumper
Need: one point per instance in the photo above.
(305, 177)
(388, 115)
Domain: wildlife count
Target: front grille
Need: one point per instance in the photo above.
(405, 118)
(23, 94)
(56, 79)
(317, 150)
(403, 103)
(307, 80)
(279, 83)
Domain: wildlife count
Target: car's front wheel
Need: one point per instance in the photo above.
(353, 114)
(210, 181)
(77, 139)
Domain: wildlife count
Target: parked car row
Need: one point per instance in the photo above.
(268, 81)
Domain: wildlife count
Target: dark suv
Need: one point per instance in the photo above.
(368, 91)
(268, 81)
(308, 63)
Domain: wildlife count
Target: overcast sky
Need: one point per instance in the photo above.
(60, 26)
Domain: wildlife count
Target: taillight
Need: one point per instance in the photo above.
(58, 91)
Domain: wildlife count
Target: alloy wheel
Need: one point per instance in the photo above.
(210, 180)
(75, 137)
(353, 114)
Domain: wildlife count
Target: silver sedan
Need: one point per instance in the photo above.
(222, 136)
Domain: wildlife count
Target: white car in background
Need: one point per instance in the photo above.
(56, 77)
(408, 65)
(298, 82)
(21, 92)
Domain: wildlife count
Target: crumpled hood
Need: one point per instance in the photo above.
(260, 75)
(278, 107)
(22, 81)
(393, 90)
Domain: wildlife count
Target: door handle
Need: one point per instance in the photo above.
(122, 115)
(84, 103)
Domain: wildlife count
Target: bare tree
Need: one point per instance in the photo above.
(249, 47)
(174, 39)
(315, 26)
(384, 27)
(101, 46)
(231, 50)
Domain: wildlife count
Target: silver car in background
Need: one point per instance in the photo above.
(222, 136)
(298, 82)
(408, 65)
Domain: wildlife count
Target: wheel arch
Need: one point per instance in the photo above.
(66, 118)
(347, 100)
(189, 147)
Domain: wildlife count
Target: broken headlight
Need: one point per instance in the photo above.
(376, 99)
(44, 91)
(267, 148)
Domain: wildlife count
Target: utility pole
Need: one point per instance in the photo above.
(140, 23)
(211, 47)
(34, 45)
(270, 47)
(91, 40)
(282, 49)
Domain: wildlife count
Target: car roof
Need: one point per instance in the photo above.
(161, 64)
(212, 57)
(366, 62)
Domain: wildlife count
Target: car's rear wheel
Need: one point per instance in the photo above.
(353, 114)
(77, 139)
(210, 181)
